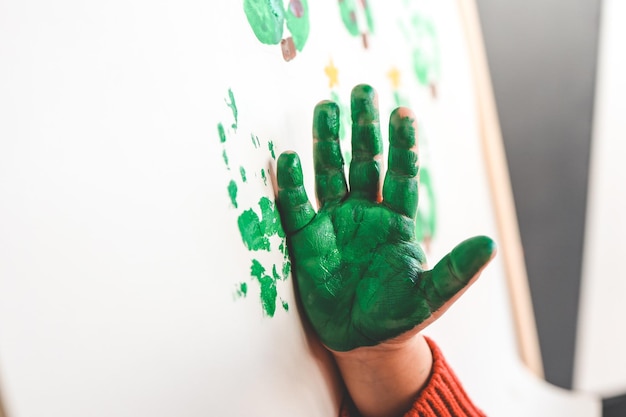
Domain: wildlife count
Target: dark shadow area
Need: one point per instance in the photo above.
(542, 57)
(614, 406)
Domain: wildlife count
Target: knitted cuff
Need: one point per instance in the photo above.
(442, 396)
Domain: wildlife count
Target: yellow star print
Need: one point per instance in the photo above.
(394, 77)
(332, 73)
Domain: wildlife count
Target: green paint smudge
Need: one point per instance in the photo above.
(275, 273)
(270, 146)
(225, 158)
(232, 192)
(257, 226)
(297, 18)
(286, 270)
(256, 270)
(266, 18)
(242, 290)
(255, 140)
(271, 218)
(256, 232)
(268, 288)
(252, 231)
(221, 132)
(233, 107)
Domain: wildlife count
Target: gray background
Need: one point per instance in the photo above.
(542, 56)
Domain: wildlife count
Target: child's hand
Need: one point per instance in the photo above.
(360, 272)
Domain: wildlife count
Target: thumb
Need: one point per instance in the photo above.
(443, 284)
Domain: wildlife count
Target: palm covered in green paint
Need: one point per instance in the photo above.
(359, 269)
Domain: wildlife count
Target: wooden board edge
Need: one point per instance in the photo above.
(510, 246)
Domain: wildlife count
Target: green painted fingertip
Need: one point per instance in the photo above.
(402, 128)
(326, 121)
(289, 170)
(471, 255)
(364, 104)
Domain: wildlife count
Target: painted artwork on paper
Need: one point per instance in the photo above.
(287, 23)
(259, 226)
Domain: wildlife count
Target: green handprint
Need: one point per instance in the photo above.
(421, 34)
(360, 271)
(350, 12)
(267, 18)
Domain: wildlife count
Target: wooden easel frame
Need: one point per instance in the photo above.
(510, 246)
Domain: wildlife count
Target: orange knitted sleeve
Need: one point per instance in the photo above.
(443, 395)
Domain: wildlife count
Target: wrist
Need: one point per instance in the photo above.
(384, 380)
